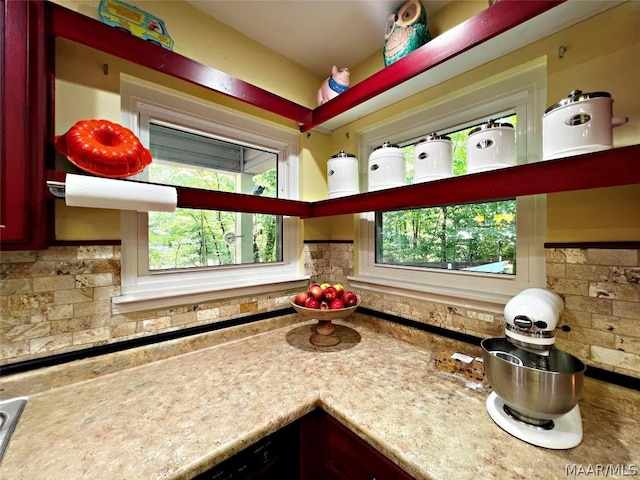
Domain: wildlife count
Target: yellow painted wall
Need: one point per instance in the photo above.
(210, 42)
(84, 91)
(318, 148)
(448, 17)
(604, 214)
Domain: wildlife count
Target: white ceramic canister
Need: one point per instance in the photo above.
(432, 157)
(580, 123)
(386, 167)
(491, 146)
(342, 175)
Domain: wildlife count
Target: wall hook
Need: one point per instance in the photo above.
(308, 134)
(561, 51)
(105, 68)
(347, 135)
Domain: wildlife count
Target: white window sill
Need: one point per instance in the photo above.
(149, 298)
(485, 301)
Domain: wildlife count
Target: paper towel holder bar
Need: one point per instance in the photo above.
(57, 189)
(94, 192)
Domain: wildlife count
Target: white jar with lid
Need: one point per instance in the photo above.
(580, 123)
(432, 157)
(491, 146)
(342, 175)
(386, 167)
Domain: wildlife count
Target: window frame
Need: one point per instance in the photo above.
(142, 102)
(145, 119)
(522, 90)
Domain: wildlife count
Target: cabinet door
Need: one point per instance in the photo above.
(352, 458)
(23, 121)
(331, 451)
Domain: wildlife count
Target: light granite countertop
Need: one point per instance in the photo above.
(178, 416)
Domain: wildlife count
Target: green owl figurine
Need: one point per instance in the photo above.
(406, 31)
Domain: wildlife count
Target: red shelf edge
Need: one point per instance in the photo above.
(79, 28)
(619, 166)
(489, 23)
(231, 202)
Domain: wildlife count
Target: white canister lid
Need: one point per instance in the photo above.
(433, 136)
(386, 145)
(577, 96)
(488, 125)
(343, 154)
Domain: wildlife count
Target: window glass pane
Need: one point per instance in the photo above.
(190, 238)
(479, 237)
(474, 237)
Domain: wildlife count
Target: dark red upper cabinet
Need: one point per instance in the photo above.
(23, 125)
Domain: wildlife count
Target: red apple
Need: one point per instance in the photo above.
(324, 305)
(336, 304)
(315, 291)
(330, 294)
(349, 299)
(312, 303)
(301, 298)
(339, 288)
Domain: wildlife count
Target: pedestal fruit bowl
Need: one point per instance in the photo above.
(325, 303)
(323, 336)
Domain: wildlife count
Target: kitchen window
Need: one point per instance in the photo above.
(191, 239)
(475, 255)
(478, 237)
(193, 255)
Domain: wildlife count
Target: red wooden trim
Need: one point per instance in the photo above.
(489, 23)
(231, 202)
(608, 168)
(87, 31)
(238, 202)
(595, 170)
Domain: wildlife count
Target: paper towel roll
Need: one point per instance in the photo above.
(96, 192)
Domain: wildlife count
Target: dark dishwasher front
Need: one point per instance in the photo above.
(275, 457)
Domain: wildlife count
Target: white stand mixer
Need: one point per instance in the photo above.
(536, 386)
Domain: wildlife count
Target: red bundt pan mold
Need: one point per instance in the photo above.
(103, 148)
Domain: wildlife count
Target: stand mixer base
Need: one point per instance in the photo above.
(566, 433)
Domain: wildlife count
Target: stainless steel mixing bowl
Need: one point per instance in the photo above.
(538, 388)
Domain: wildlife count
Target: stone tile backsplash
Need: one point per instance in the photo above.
(601, 290)
(330, 262)
(59, 300)
(600, 287)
